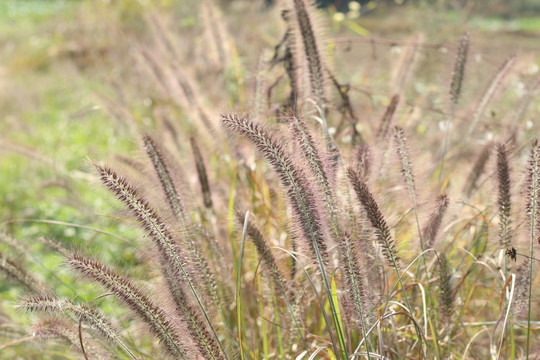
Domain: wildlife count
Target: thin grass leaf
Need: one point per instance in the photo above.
(239, 284)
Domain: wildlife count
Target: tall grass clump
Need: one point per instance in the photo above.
(282, 230)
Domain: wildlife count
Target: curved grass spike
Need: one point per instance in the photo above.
(88, 314)
(216, 36)
(177, 206)
(406, 63)
(135, 298)
(408, 175)
(363, 160)
(430, 230)
(299, 191)
(459, 69)
(312, 50)
(291, 63)
(455, 92)
(264, 252)
(308, 53)
(477, 170)
(522, 289)
(382, 232)
(172, 254)
(53, 328)
(504, 199)
(355, 278)
(375, 217)
(15, 271)
(195, 325)
(201, 172)
(406, 166)
(269, 262)
(446, 296)
(530, 93)
(259, 105)
(161, 168)
(317, 169)
(489, 93)
(533, 213)
(315, 165)
(387, 117)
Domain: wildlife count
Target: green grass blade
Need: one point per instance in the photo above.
(338, 314)
(238, 286)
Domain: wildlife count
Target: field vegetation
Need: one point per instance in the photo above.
(229, 180)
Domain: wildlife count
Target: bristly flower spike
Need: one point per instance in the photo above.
(375, 216)
(533, 214)
(173, 256)
(459, 69)
(135, 298)
(429, 232)
(300, 192)
(504, 200)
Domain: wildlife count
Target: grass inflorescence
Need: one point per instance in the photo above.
(284, 231)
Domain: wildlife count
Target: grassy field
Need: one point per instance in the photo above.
(387, 160)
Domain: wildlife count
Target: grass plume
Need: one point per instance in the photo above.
(490, 91)
(386, 120)
(477, 171)
(375, 216)
(431, 229)
(300, 192)
(135, 298)
(201, 172)
(533, 214)
(13, 270)
(459, 69)
(504, 199)
(173, 256)
(301, 15)
(176, 203)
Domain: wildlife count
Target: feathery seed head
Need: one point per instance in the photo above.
(429, 232)
(307, 217)
(459, 68)
(374, 216)
(504, 200)
(135, 298)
